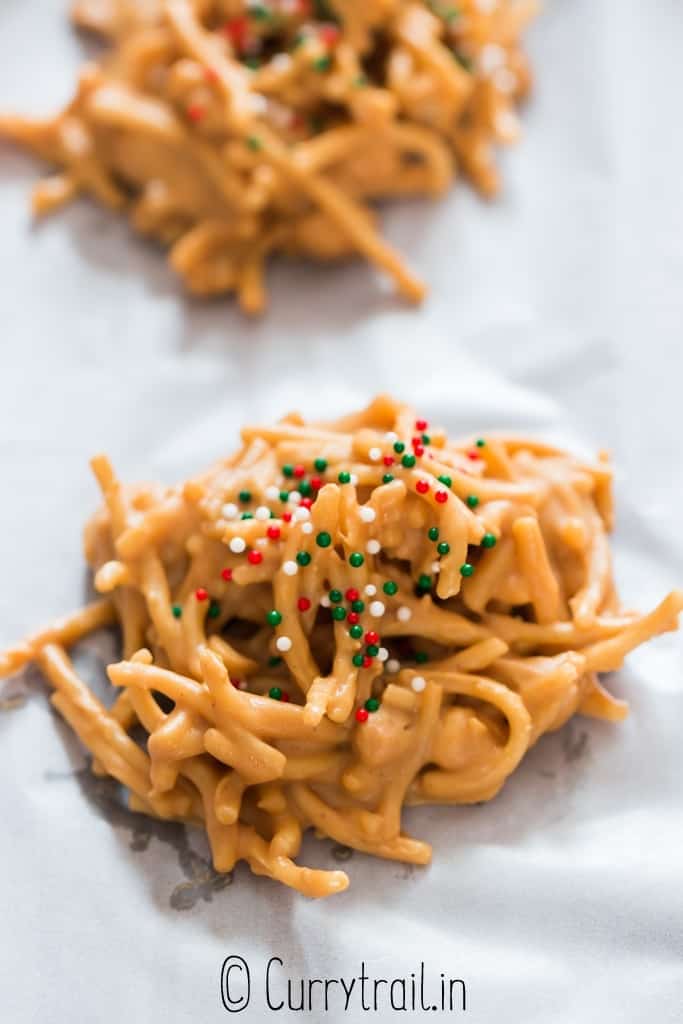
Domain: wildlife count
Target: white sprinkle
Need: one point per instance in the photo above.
(307, 527)
(237, 545)
(491, 58)
(290, 568)
(376, 609)
(404, 613)
(382, 654)
(301, 513)
(375, 454)
(418, 683)
(370, 589)
(258, 103)
(282, 61)
(230, 511)
(294, 497)
(436, 568)
(242, 684)
(367, 514)
(354, 479)
(272, 493)
(391, 437)
(325, 601)
(505, 80)
(262, 513)
(393, 666)
(373, 547)
(283, 643)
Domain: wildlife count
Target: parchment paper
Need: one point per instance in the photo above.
(556, 310)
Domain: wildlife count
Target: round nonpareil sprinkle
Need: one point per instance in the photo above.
(441, 497)
(373, 547)
(283, 643)
(367, 514)
(418, 683)
(320, 464)
(274, 618)
(338, 613)
(390, 588)
(177, 610)
(201, 594)
(404, 613)
(445, 480)
(290, 568)
(323, 539)
(237, 545)
(230, 510)
(393, 666)
(371, 704)
(433, 532)
(387, 478)
(303, 558)
(488, 540)
(370, 590)
(356, 559)
(294, 497)
(272, 493)
(244, 497)
(214, 610)
(354, 617)
(275, 692)
(375, 454)
(443, 547)
(307, 527)
(466, 569)
(377, 609)
(336, 596)
(371, 637)
(408, 461)
(344, 477)
(361, 715)
(273, 533)
(382, 654)
(358, 606)
(472, 500)
(422, 486)
(254, 557)
(325, 601)
(303, 604)
(262, 513)
(356, 632)
(357, 660)
(226, 574)
(352, 594)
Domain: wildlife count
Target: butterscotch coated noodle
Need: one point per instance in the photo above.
(341, 619)
(229, 130)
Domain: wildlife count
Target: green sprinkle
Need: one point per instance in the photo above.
(275, 692)
(390, 588)
(336, 596)
(445, 480)
(323, 540)
(338, 613)
(356, 559)
(284, 496)
(357, 660)
(372, 650)
(399, 447)
(254, 143)
(247, 515)
(488, 540)
(260, 13)
(322, 63)
(387, 478)
(443, 547)
(273, 618)
(274, 661)
(480, 442)
(303, 558)
(466, 569)
(433, 532)
(177, 610)
(472, 500)
(244, 496)
(254, 63)
(408, 461)
(299, 38)
(356, 632)
(320, 465)
(305, 489)
(358, 606)
(421, 657)
(344, 477)
(214, 610)
(372, 704)
(288, 470)
(424, 582)
(426, 439)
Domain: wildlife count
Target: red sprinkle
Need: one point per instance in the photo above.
(237, 683)
(473, 455)
(388, 460)
(361, 715)
(441, 497)
(371, 637)
(306, 502)
(421, 424)
(419, 449)
(237, 30)
(316, 483)
(195, 112)
(273, 532)
(353, 618)
(211, 74)
(299, 471)
(303, 604)
(201, 594)
(415, 441)
(286, 517)
(352, 594)
(329, 34)
(421, 486)
(284, 697)
(255, 557)
(367, 661)
(226, 574)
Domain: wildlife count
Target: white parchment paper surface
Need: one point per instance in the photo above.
(556, 310)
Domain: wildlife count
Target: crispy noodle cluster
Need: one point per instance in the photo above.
(230, 129)
(340, 619)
